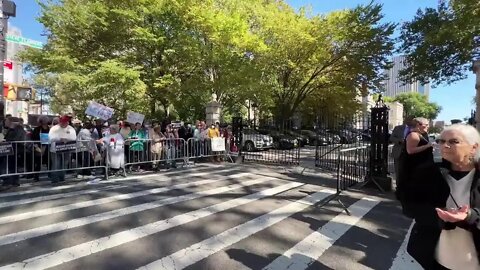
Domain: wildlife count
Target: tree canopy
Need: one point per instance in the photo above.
(169, 57)
(441, 43)
(417, 105)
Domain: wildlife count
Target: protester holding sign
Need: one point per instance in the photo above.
(15, 133)
(63, 140)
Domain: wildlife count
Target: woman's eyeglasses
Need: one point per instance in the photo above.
(449, 142)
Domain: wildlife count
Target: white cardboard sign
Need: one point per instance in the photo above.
(218, 144)
(98, 110)
(133, 117)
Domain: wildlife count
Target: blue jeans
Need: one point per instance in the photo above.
(60, 161)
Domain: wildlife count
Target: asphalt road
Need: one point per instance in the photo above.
(203, 217)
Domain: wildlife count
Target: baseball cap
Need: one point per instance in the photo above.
(64, 119)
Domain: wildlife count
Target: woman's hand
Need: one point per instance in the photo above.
(453, 215)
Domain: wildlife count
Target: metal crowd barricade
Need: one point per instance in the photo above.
(140, 153)
(202, 148)
(37, 158)
(352, 169)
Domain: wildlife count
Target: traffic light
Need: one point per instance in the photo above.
(22, 93)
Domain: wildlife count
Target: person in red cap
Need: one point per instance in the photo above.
(60, 135)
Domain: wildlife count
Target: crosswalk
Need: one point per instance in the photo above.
(202, 217)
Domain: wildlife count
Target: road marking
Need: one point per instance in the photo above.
(196, 252)
(85, 249)
(304, 253)
(68, 207)
(58, 196)
(84, 192)
(403, 260)
(81, 184)
(78, 222)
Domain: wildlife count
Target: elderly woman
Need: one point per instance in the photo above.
(114, 143)
(449, 234)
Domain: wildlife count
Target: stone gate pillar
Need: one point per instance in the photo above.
(213, 111)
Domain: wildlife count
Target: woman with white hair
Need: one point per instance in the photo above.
(452, 241)
(114, 143)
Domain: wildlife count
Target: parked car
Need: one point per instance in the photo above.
(322, 138)
(253, 141)
(346, 136)
(280, 140)
(302, 139)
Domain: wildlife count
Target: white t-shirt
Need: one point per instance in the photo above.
(455, 248)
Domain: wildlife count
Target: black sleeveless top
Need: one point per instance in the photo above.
(425, 156)
(421, 175)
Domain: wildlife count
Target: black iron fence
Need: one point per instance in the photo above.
(352, 167)
(336, 132)
(274, 156)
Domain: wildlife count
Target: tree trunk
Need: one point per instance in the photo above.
(153, 107)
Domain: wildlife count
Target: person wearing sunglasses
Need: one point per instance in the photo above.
(447, 234)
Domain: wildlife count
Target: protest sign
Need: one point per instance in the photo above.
(133, 117)
(59, 147)
(218, 144)
(98, 110)
(6, 149)
(44, 138)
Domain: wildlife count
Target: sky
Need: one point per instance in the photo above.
(455, 99)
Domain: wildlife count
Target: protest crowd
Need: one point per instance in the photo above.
(99, 148)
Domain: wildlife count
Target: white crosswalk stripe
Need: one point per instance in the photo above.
(57, 227)
(207, 193)
(199, 251)
(88, 248)
(314, 245)
(63, 208)
(142, 177)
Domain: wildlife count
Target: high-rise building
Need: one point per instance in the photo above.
(394, 86)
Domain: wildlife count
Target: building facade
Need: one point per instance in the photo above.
(394, 86)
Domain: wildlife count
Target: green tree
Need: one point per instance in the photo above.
(308, 54)
(441, 43)
(417, 105)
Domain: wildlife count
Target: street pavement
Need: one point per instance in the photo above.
(208, 216)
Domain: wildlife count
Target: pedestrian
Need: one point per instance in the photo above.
(399, 134)
(446, 234)
(41, 146)
(86, 151)
(61, 135)
(114, 143)
(136, 138)
(9, 164)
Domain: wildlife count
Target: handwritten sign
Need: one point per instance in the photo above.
(60, 147)
(98, 110)
(6, 149)
(133, 117)
(218, 144)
